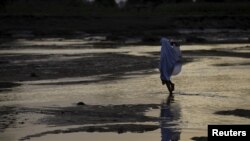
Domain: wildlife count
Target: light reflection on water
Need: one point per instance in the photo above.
(202, 89)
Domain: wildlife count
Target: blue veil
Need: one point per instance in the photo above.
(170, 57)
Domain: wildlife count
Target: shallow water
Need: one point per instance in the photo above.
(217, 79)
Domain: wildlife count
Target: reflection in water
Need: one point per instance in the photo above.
(167, 133)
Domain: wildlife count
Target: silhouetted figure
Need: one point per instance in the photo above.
(170, 62)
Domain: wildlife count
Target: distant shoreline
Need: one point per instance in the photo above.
(188, 29)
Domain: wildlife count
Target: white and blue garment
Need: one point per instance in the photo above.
(170, 60)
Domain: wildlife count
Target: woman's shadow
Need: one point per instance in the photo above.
(168, 133)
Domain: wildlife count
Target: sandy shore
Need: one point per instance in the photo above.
(61, 89)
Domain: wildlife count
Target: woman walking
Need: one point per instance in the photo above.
(170, 62)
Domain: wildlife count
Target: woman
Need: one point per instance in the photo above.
(170, 62)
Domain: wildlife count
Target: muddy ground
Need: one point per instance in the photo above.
(56, 89)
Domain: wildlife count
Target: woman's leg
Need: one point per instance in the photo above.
(170, 89)
(172, 86)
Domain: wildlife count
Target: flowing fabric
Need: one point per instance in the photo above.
(170, 57)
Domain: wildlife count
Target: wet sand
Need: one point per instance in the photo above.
(42, 83)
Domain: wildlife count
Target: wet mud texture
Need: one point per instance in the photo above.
(118, 128)
(237, 112)
(25, 67)
(113, 118)
(7, 117)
